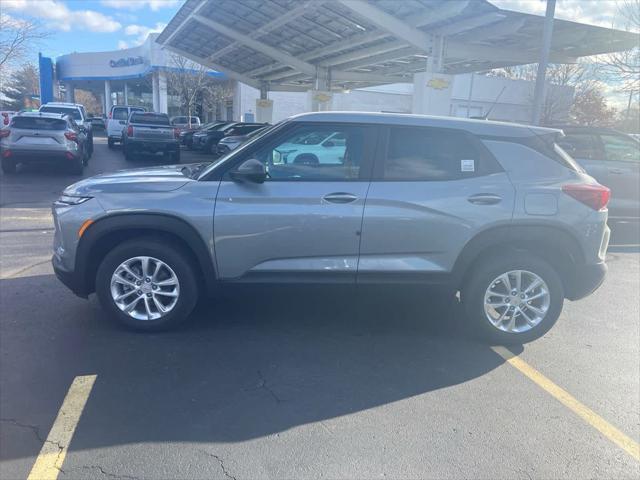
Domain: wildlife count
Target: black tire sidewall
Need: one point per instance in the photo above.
(8, 165)
(169, 254)
(489, 270)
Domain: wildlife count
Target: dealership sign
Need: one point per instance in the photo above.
(126, 62)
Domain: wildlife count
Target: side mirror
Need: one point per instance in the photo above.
(251, 170)
(329, 144)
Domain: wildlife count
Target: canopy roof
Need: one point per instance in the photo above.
(287, 44)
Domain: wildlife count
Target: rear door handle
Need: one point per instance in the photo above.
(340, 197)
(484, 199)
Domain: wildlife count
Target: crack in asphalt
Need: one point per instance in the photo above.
(108, 474)
(263, 384)
(13, 273)
(222, 467)
(34, 428)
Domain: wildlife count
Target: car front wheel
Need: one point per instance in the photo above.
(511, 299)
(147, 285)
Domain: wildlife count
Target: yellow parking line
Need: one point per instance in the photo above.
(54, 450)
(588, 415)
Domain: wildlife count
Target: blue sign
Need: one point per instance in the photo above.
(45, 65)
(126, 62)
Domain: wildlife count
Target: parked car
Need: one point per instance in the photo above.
(6, 116)
(77, 112)
(231, 143)
(207, 140)
(44, 138)
(183, 122)
(97, 122)
(186, 135)
(150, 132)
(117, 121)
(613, 159)
(490, 210)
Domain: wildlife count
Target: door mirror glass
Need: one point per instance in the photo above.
(251, 170)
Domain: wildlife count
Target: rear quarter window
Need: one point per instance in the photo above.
(35, 123)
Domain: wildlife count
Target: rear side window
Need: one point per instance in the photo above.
(434, 154)
(618, 148)
(120, 114)
(35, 123)
(150, 118)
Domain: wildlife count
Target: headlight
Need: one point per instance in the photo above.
(71, 200)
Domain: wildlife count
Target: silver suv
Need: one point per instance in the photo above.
(493, 211)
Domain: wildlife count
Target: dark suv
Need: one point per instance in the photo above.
(613, 159)
(207, 140)
(496, 212)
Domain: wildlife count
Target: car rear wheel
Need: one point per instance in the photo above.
(514, 298)
(128, 154)
(76, 166)
(110, 143)
(147, 285)
(8, 165)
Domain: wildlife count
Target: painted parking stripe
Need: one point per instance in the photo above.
(54, 450)
(564, 397)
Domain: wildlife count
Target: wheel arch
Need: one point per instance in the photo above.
(555, 244)
(112, 230)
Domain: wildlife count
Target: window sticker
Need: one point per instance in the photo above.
(467, 165)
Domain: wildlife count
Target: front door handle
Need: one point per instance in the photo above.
(484, 199)
(617, 171)
(340, 197)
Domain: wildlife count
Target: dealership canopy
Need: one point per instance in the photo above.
(297, 44)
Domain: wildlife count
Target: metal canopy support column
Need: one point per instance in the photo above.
(320, 96)
(264, 106)
(432, 88)
(126, 93)
(547, 34)
(107, 97)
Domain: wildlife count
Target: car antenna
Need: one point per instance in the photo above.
(495, 102)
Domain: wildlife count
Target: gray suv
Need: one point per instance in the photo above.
(495, 212)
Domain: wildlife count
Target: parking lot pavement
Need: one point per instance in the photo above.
(305, 382)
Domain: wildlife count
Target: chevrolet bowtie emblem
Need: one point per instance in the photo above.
(438, 83)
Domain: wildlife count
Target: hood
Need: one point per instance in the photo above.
(152, 179)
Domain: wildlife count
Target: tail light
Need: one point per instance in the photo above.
(109, 115)
(73, 136)
(6, 154)
(129, 131)
(5, 132)
(5, 120)
(69, 155)
(595, 196)
(176, 132)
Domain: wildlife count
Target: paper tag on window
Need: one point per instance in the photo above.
(467, 165)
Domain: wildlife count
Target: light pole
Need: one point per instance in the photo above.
(547, 33)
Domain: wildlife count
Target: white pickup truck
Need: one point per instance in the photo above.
(152, 133)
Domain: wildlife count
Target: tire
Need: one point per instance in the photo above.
(90, 146)
(485, 275)
(189, 144)
(175, 156)
(77, 166)
(180, 267)
(8, 166)
(110, 143)
(85, 158)
(212, 148)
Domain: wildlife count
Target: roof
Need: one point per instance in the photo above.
(62, 104)
(285, 42)
(478, 127)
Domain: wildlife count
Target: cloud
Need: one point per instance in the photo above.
(594, 12)
(122, 45)
(154, 5)
(58, 16)
(141, 32)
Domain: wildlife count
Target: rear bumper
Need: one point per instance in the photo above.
(40, 156)
(152, 145)
(586, 280)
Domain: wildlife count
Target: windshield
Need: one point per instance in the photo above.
(72, 111)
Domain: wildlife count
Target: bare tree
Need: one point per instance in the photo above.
(17, 38)
(87, 98)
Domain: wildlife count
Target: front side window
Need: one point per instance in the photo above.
(431, 154)
(579, 145)
(620, 148)
(303, 155)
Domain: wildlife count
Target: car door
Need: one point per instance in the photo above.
(433, 189)
(304, 221)
(586, 149)
(622, 162)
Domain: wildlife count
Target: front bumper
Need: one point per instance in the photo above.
(69, 279)
(586, 280)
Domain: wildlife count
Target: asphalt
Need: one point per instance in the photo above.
(304, 382)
